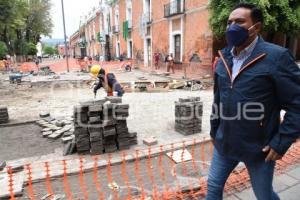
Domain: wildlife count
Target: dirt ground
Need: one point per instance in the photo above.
(150, 114)
(24, 141)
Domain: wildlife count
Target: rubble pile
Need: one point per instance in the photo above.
(4, 118)
(188, 115)
(101, 126)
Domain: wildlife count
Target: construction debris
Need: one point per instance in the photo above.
(4, 118)
(176, 84)
(194, 85)
(188, 116)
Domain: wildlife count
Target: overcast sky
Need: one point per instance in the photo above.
(73, 10)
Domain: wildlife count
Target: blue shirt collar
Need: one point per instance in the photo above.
(245, 52)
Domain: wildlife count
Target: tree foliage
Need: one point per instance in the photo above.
(280, 15)
(22, 22)
(3, 50)
(30, 49)
(49, 50)
(39, 20)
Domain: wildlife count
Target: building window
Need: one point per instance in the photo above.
(177, 49)
(130, 49)
(149, 53)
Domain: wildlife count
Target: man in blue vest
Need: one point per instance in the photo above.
(254, 81)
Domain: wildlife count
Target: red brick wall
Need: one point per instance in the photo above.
(196, 33)
(198, 39)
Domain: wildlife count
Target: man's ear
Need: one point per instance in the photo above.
(258, 26)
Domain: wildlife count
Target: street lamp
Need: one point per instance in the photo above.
(66, 45)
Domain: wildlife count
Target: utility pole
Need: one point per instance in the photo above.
(66, 45)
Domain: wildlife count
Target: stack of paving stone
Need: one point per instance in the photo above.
(124, 138)
(101, 126)
(188, 115)
(95, 115)
(82, 136)
(4, 118)
(109, 128)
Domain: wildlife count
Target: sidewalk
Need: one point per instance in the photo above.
(287, 185)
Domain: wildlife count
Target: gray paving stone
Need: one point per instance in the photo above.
(44, 114)
(150, 141)
(283, 181)
(291, 193)
(47, 133)
(295, 173)
(246, 195)
(230, 197)
(67, 139)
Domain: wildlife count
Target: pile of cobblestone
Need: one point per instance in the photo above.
(101, 126)
(54, 129)
(188, 115)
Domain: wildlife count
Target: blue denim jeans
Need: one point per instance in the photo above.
(261, 176)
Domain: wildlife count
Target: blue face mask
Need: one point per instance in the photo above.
(236, 35)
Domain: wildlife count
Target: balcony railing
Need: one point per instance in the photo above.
(176, 7)
(116, 29)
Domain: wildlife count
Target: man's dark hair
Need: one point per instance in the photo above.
(256, 13)
(102, 72)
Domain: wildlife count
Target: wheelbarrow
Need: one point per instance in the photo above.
(15, 78)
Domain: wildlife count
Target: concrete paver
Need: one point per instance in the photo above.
(291, 193)
(295, 173)
(231, 197)
(285, 185)
(283, 181)
(247, 194)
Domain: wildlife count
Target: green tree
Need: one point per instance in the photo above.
(280, 15)
(56, 51)
(39, 20)
(12, 20)
(23, 22)
(3, 49)
(49, 50)
(30, 49)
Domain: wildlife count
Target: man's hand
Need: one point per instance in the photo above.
(272, 155)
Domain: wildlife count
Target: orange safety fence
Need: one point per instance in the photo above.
(159, 173)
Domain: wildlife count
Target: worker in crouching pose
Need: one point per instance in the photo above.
(106, 80)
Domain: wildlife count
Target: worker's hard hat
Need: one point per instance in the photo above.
(95, 70)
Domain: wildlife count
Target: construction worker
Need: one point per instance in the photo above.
(106, 80)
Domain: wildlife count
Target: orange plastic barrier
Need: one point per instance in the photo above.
(152, 176)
